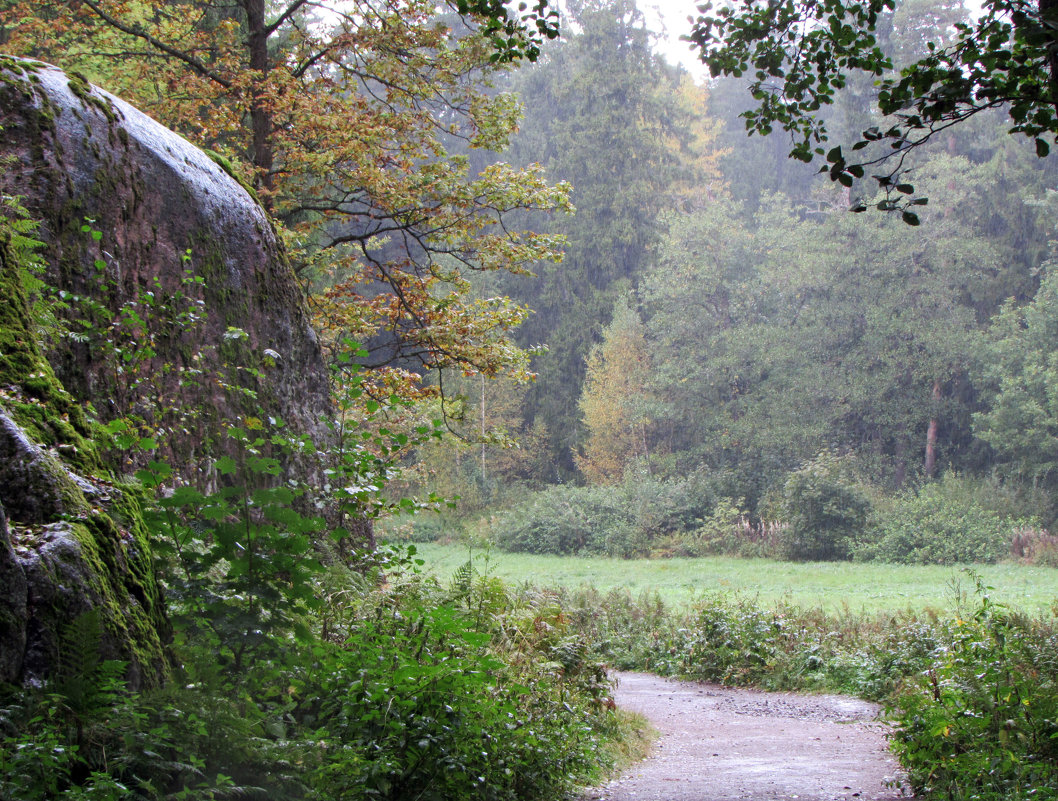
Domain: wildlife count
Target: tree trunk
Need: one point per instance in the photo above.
(930, 465)
(900, 466)
(260, 116)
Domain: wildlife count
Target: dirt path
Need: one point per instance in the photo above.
(718, 744)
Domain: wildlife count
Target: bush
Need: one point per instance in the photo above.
(979, 723)
(411, 690)
(1034, 546)
(567, 520)
(624, 521)
(972, 697)
(938, 524)
(825, 510)
(422, 527)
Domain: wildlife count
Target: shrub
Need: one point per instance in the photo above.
(825, 509)
(980, 721)
(1034, 546)
(626, 521)
(423, 527)
(411, 690)
(938, 524)
(567, 520)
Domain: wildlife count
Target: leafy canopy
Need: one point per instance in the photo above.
(798, 55)
(352, 121)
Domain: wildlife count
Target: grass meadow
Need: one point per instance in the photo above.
(832, 586)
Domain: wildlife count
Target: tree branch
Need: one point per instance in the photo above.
(158, 44)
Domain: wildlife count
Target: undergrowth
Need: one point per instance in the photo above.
(292, 679)
(972, 695)
(405, 688)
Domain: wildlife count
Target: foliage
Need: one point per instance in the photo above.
(623, 521)
(292, 681)
(727, 530)
(971, 695)
(386, 689)
(825, 509)
(979, 722)
(566, 520)
(607, 114)
(613, 399)
(421, 708)
(347, 119)
(937, 524)
(736, 640)
(799, 57)
(1021, 423)
(808, 330)
(491, 457)
(52, 742)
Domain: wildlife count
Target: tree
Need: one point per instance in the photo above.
(626, 129)
(801, 54)
(342, 113)
(614, 398)
(1021, 423)
(813, 330)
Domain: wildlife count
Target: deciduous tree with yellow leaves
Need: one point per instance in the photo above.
(351, 120)
(615, 399)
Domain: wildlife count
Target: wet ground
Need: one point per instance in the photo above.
(718, 744)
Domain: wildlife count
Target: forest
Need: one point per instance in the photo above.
(510, 279)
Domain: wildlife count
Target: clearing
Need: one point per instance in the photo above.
(858, 587)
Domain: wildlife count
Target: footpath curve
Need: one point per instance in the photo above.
(719, 744)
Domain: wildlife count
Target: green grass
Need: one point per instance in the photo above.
(831, 585)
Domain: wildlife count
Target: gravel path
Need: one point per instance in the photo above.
(718, 744)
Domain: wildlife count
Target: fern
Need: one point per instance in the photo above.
(87, 684)
(463, 580)
(18, 233)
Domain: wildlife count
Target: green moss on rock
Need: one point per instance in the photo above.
(78, 539)
(28, 386)
(225, 164)
(80, 86)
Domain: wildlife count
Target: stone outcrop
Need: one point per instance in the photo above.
(162, 207)
(72, 538)
(70, 542)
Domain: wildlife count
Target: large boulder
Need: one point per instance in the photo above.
(127, 211)
(71, 543)
(163, 212)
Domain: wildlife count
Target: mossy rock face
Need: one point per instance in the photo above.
(71, 539)
(77, 153)
(62, 551)
(13, 612)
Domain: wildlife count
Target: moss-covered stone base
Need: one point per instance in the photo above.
(62, 549)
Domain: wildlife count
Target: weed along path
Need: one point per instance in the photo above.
(718, 744)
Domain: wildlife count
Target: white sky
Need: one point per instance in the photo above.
(669, 17)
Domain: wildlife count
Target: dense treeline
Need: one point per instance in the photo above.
(757, 327)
